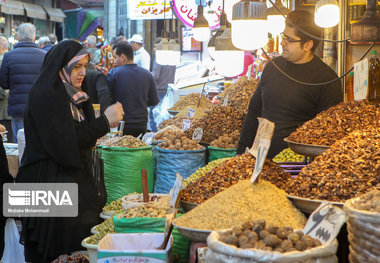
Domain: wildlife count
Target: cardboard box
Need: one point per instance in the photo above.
(134, 247)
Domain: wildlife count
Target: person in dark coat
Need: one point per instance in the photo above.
(98, 90)
(19, 69)
(60, 131)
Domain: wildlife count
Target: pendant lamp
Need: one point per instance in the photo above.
(326, 13)
(276, 19)
(201, 28)
(249, 25)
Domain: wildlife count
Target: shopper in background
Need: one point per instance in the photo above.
(4, 95)
(98, 90)
(60, 131)
(19, 69)
(91, 46)
(52, 39)
(44, 43)
(134, 87)
(141, 56)
(283, 101)
(162, 75)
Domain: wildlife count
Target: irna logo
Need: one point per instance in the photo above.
(39, 197)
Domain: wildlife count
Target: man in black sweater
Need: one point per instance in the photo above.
(283, 101)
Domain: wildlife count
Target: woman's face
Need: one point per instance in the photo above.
(78, 73)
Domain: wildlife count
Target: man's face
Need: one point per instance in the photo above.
(78, 73)
(135, 46)
(118, 60)
(292, 50)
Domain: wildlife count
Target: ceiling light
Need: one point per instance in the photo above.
(201, 28)
(276, 19)
(249, 25)
(326, 13)
(168, 52)
(368, 28)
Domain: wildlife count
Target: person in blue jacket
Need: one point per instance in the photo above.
(19, 69)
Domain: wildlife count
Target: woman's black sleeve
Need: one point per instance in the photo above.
(89, 133)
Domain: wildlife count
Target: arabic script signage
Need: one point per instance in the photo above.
(149, 9)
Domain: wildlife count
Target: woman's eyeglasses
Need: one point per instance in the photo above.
(289, 39)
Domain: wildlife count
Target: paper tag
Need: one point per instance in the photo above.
(175, 190)
(260, 159)
(190, 113)
(361, 79)
(265, 131)
(197, 134)
(186, 124)
(225, 101)
(249, 71)
(148, 138)
(325, 222)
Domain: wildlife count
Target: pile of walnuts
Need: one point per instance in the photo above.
(176, 140)
(227, 141)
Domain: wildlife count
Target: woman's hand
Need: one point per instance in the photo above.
(114, 114)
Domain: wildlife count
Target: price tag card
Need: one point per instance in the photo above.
(225, 101)
(148, 138)
(264, 131)
(361, 79)
(175, 191)
(197, 134)
(190, 113)
(325, 222)
(260, 159)
(186, 124)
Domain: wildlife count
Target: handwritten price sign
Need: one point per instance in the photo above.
(149, 9)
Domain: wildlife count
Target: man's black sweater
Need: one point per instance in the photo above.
(289, 104)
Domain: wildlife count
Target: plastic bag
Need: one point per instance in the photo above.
(160, 112)
(13, 250)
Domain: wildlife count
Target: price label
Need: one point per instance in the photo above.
(225, 101)
(264, 131)
(197, 134)
(361, 79)
(260, 159)
(325, 222)
(186, 124)
(148, 138)
(175, 191)
(190, 113)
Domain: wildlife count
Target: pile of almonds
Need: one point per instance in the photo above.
(336, 122)
(349, 168)
(221, 120)
(227, 141)
(229, 173)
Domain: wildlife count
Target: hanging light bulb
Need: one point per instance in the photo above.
(326, 13)
(168, 52)
(201, 29)
(249, 25)
(211, 43)
(229, 61)
(276, 20)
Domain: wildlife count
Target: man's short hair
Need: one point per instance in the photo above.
(4, 43)
(52, 38)
(125, 48)
(91, 40)
(43, 40)
(26, 32)
(304, 20)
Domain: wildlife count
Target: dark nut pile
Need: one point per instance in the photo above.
(229, 173)
(221, 120)
(240, 93)
(227, 141)
(74, 258)
(175, 121)
(349, 168)
(336, 122)
(178, 141)
(192, 101)
(369, 202)
(258, 235)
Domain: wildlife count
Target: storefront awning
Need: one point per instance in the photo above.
(55, 14)
(12, 7)
(34, 11)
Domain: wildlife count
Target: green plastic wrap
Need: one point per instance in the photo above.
(219, 153)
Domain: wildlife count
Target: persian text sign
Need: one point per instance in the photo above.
(149, 9)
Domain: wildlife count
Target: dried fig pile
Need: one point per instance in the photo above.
(229, 173)
(336, 122)
(227, 141)
(258, 235)
(221, 120)
(349, 168)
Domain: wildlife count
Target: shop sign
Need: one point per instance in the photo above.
(149, 9)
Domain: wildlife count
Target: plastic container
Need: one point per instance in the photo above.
(374, 78)
(92, 250)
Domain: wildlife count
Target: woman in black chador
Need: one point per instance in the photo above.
(60, 131)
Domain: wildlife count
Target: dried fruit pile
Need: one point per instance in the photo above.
(192, 101)
(259, 235)
(240, 93)
(127, 141)
(219, 121)
(227, 141)
(229, 173)
(287, 155)
(336, 122)
(349, 168)
(242, 202)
